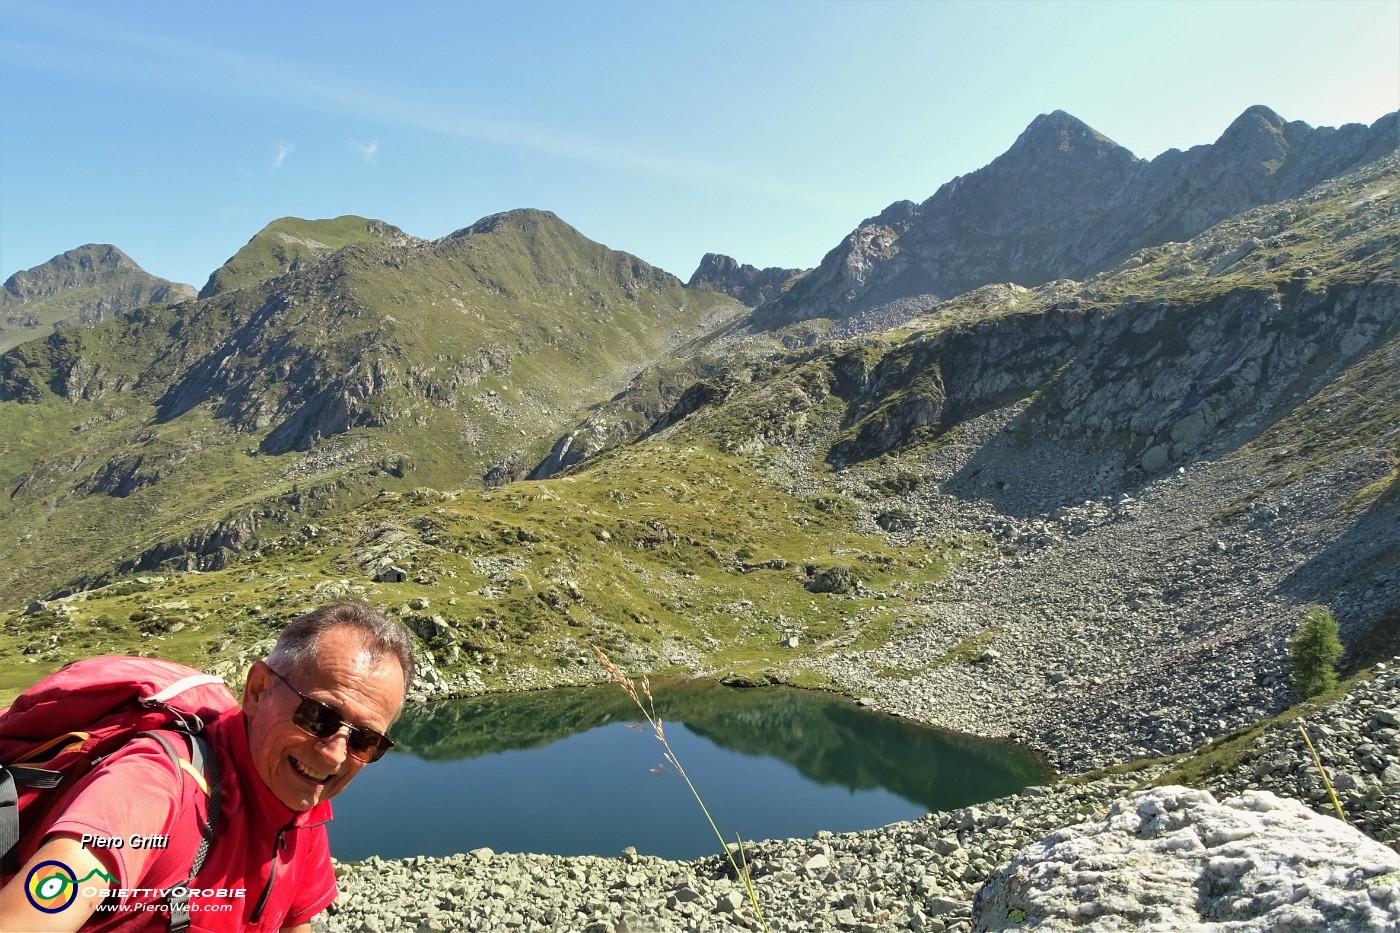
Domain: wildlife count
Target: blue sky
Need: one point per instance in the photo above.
(764, 130)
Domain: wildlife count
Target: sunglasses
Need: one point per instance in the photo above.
(320, 721)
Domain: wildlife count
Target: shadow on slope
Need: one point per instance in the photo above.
(1160, 385)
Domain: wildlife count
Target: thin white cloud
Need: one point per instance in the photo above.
(283, 150)
(368, 151)
(157, 60)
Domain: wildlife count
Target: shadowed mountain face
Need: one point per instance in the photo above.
(86, 285)
(1065, 202)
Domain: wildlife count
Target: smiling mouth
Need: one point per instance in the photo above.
(306, 774)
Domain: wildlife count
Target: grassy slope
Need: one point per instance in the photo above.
(528, 574)
(63, 308)
(570, 319)
(287, 240)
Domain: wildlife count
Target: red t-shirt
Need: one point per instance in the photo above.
(262, 851)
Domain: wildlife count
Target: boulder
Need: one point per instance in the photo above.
(1172, 858)
(838, 579)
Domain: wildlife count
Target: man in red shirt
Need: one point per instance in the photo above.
(313, 714)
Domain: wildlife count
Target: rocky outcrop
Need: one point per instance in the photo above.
(206, 549)
(577, 446)
(656, 397)
(748, 284)
(1064, 202)
(1173, 858)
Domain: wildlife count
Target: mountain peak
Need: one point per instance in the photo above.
(73, 267)
(718, 267)
(91, 265)
(521, 218)
(1255, 115)
(1261, 136)
(287, 241)
(81, 286)
(1062, 131)
(1058, 118)
(750, 285)
(103, 254)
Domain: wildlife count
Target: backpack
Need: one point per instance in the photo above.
(66, 724)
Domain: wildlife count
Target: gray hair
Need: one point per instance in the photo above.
(298, 646)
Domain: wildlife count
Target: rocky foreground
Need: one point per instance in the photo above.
(1167, 858)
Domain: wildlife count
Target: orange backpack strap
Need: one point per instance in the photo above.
(66, 739)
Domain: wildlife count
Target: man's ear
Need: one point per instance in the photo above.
(258, 682)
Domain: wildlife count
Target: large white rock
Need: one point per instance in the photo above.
(1172, 858)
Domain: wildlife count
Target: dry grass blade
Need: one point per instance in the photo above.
(648, 710)
(1317, 760)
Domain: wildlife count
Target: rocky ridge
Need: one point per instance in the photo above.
(1264, 279)
(748, 284)
(1065, 202)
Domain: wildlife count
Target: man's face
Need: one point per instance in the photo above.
(300, 769)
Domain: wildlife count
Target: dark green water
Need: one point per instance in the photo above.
(561, 772)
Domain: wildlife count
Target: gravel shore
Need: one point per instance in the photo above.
(919, 875)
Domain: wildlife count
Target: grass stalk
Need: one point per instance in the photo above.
(648, 710)
(1320, 770)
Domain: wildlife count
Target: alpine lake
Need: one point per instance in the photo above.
(575, 772)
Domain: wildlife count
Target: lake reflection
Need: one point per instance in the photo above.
(561, 772)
